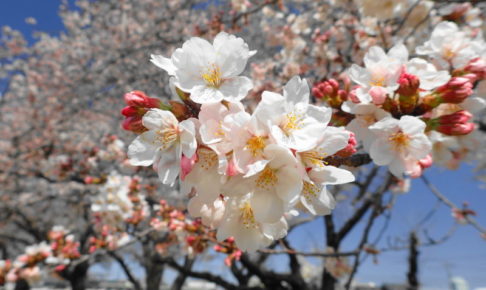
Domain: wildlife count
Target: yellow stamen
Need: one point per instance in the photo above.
(212, 76)
(267, 178)
(377, 81)
(399, 140)
(167, 136)
(256, 144)
(315, 158)
(310, 191)
(292, 122)
(247, 217)
(207, 158)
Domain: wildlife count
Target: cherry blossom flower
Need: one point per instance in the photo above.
(249, 232)
(210, 72)
(399, 144)
(164, 144)
(293, 122)
(450, 47)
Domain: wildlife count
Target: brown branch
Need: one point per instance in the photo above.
(200, 275)
(126, 269)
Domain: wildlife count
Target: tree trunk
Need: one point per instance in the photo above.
(22, 284)
(412, 275)
(77, 277)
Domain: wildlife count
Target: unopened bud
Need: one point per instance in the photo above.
(409, 84)
(426, 162)
(460, 117)
(456, 90)
(351, 148)
(477, 67)
(456, 129)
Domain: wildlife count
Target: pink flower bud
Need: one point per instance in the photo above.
(409, 84)
(378, 95)
(186, 165)
(460, 117)
(456, 129)
(456, 90)
(231, 170)
(88, 179)
(426, 162)
(477, 66)
(138, 104)
(140, 99)
(351, 148)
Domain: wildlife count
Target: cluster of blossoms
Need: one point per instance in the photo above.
(60, 250)
(245, 172)
(408, 113)
(190, 235)
(118, 202)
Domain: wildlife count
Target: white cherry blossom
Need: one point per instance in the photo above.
(293, 122)
(210, 72)
(399, 144)
(163, 144)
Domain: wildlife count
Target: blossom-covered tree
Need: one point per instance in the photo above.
(256, 117)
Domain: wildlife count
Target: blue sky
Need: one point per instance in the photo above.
(464, 254)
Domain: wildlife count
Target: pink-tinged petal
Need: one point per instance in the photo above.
(210, 132)
(187, 164)
(158, 119)
(141, 151)
(231, 169)
(378, 95)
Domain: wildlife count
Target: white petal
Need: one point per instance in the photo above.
(296, 91)
(168, 166)
(141, 152)
(380, 152)
(232, 54)
(412, 125)
(158, 119)
(267, 207)
(236, 88)
(203, 94)
(188, 137)
(163, 63)
(331, 175)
